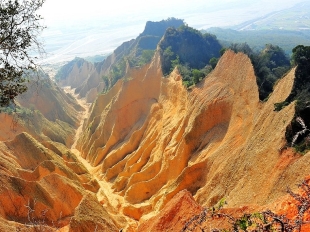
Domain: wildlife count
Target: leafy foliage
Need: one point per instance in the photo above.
(140, 60)
(301, 89)
(213, 62)
(19, 28)
(118, 71)
(147, 55)
(190, 51)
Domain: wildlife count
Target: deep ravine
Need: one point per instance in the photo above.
(112, 202)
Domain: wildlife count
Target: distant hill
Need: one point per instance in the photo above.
(286, 28)
(189, 50)
(95, 59)
(294, 18)
(65, 70)
(257, 39)
(159, 28)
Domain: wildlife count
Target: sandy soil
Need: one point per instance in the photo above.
(82, 116)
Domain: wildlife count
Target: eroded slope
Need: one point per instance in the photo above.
(47, 187)
(45, 112)
(152, 138)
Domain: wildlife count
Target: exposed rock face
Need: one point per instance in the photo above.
(179, 210)
(46, 185)
(78, 71)
(51, 101)
(37, 126)
(46, 113)
(82, 76)
(86, 77)
(152, 138)
(43, 185)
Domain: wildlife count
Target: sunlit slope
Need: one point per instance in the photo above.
(45, 185)
(152, 138)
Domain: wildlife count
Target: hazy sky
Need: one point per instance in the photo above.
(88, 27)
(77, 9)
(65, 11)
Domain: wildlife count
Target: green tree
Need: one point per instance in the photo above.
(19, 29)
(175, 63)
(118, 71)
(213, 62)
(168, 55)
(223, 50)
(241, 47)
(197, 74)
(146, 56)
(186, 74)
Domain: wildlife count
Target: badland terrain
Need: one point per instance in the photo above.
(169, 126)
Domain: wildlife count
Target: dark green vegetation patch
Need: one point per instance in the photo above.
(297, 134)
(190, 51)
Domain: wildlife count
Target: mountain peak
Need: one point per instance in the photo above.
(159, 28)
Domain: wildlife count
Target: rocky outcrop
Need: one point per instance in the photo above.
(35, 124)
(152, 138)
(82, 76)
(45, 112)
(45, 187)
(53, 103)
(179, 210)
(75, 73)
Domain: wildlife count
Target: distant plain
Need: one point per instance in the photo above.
(100, 35)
